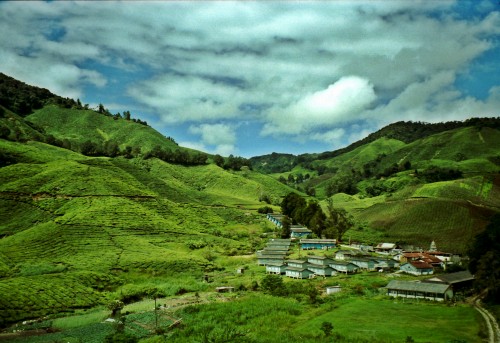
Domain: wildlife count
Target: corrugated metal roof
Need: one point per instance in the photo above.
(455, 277)
(436, 288)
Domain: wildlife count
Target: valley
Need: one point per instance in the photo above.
(96, 209)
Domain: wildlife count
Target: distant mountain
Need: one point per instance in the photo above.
(406, 132)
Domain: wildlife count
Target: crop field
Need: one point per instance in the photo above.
(424, 220)
(40, 295)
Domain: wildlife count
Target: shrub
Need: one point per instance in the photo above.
(120, 337)
(265, 210)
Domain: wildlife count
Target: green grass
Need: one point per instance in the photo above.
(86, 318)
(395, 320)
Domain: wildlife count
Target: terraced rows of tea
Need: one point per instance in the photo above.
(37, 296)
(420, 221)
(113, 216)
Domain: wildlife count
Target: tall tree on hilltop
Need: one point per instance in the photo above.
(338, 221)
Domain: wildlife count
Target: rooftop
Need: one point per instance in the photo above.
(329, 241)
(454, 277)
(417, 286)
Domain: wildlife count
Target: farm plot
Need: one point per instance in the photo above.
(36, 296)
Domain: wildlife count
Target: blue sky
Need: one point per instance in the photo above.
(254, 77)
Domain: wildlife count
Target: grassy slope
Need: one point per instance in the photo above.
(368, 319)
(70, 123)
(116, 216)
(467, 149)
(358, 157)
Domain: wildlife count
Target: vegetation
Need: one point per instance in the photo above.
(102, 215)
(484, 263)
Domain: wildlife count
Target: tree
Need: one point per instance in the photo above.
(338, 221)
(313, 217)
(327, 328)
(115, 307)
(285, 229)
(111, 149)
(484, 263)
(219, 160)
(155, 293)
(273, 284)
(89, 148)
(127, 151)
(292, 204)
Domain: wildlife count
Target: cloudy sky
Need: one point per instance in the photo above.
(249, 78)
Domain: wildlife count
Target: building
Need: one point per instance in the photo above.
(333, 289)
(321, 260)
(344, 254)
(297, 263)
(459, 281)
(363, 263)
(385, 248)
(224, 289)
(385, 263)
(279, 242)
(276, 269)
(417, 268)
(434, 261)
(276, 219)
(419, 290)
(343, 266)
(298, 273)
(264, 260)
(324, 244)
(298, 231)
(265, 251)
(323, 270)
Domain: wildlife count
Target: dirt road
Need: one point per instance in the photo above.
(491, 323)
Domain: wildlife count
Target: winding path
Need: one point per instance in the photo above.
(491, 323)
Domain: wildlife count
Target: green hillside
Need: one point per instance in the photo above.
(65, 214)
(136, 215)
(443, 187)
(70, 123)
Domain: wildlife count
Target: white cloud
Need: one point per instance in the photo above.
(325, 108)
(215, 138)
(215, 134)
(210, 58)
(188, 98)
(332, 137)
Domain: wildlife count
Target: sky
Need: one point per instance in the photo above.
(253, 77)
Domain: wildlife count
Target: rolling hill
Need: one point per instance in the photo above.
(444, 186)
(76, 228)
(80, 229)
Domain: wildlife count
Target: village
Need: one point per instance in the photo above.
(353, 258)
